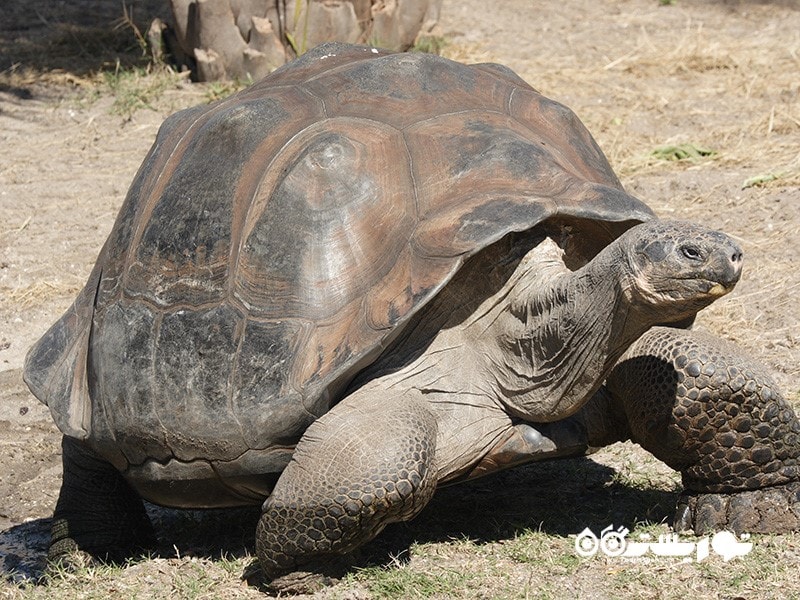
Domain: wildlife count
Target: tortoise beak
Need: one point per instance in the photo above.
(718, 290)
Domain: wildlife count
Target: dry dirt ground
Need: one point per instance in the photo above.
(721, 76)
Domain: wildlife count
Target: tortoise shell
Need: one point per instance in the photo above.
(273, 243)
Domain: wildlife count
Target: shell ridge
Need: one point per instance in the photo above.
(319, 99)
(454, 113)
(510, 99)
(247, 196)
(344, 66)
(79, 404)
(107, 414)
(413, 175)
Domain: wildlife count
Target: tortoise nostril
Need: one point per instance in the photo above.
(733, 270)
(736, 257)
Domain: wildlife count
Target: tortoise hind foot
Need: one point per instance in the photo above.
(98, 515)
(773, 509)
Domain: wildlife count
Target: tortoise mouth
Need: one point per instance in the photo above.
(716, 289)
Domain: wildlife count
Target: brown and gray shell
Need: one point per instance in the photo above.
(272, 243)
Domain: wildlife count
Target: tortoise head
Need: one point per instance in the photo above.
(678, 267)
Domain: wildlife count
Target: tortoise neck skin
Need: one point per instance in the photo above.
(560, 332)
(557, 340)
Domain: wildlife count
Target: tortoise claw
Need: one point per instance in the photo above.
(313, 576)
(773, 509)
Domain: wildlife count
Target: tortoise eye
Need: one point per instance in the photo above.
(691, 252)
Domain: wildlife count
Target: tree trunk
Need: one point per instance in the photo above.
(239, 39)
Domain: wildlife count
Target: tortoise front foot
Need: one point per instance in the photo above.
(766, 510)
(314, 576)
(366, 463)
(706, 410)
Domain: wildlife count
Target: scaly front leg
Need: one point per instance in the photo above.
(366, 463)
(699, 405)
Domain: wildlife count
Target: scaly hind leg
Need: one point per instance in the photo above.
(696, 403)
(97, 511)
(366, 463)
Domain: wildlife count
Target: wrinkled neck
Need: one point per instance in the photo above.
(561, 335)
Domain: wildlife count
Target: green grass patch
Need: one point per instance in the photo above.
(541, 549)
(761, 180)
(398, 583)
(689, 151)
(193, 580)
(430, 44)
(135, 88)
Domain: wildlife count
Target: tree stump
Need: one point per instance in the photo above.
(240, 39)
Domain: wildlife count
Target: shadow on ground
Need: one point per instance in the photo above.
(558, 498)
(78, 37)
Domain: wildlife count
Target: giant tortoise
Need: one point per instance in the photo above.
(371, 274)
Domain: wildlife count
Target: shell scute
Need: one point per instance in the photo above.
(327, 225)
(266, 400)
(182, 251)
(194, 357)
(566, 138)
(124, 376)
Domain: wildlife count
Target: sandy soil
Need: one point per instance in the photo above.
(719, 74)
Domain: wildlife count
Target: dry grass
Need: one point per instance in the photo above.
(644, 78)
(467, 52)
(39, 293)
(745, 87)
